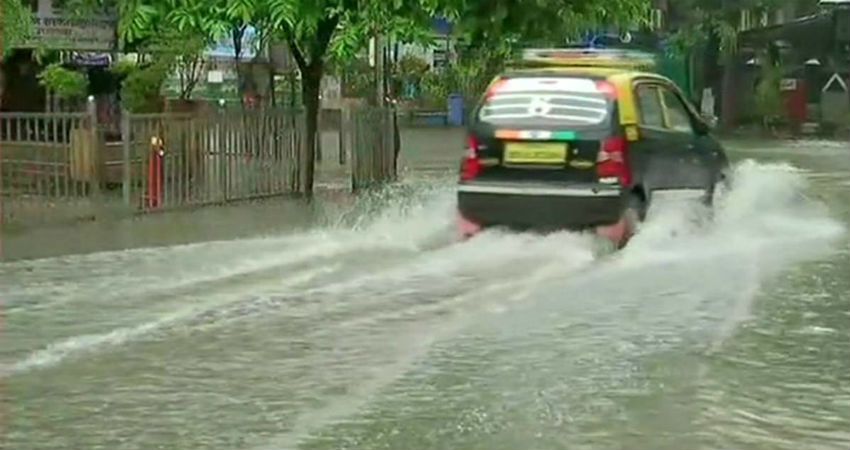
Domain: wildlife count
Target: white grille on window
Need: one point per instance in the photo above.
(579, 108)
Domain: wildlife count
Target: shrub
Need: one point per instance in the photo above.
(142, 86)
(768, 98)
(67, 84)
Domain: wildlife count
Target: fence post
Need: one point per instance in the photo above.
(319, 123)
(354, 135)
(96, 156)
(344, 121)
(223, 157)
(125, 142)
(392, 147)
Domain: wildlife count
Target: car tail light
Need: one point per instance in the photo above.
(612, 161)
(607, 88)
(470, 167)
(494, 87)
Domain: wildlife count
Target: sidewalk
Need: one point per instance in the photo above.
(435, 149)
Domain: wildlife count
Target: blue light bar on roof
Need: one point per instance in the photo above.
(588, 57)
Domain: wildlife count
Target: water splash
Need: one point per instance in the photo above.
(386, 266)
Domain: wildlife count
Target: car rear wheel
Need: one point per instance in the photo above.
(722, 186)
(620, 232)
(466, 228)
(719, 191)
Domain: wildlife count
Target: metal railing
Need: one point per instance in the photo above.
(374, 133)
(57, 166)
(42, 154)
(178, 160)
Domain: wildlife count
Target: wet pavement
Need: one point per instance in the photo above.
(360, 323)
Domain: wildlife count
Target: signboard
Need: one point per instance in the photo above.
(66, 33)
(788, 84)
(90, 59)
(215, 76)
(224, 48)
(835, 81)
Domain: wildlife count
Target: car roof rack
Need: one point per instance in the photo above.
(587, 57)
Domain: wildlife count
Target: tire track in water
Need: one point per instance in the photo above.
(166, 277)
(315, 248)
(440, 265)
(120, 312)
(159, 270)
(730, 237)
(427, 330)
(57, 352)
(423, 283)
(394, 317)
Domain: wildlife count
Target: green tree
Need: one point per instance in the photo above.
(543, 21)
(141, 21)
(493, 28)
(66, 83)
(174, 33)
(316, 30)
(16, 24)
(211, 20)
(768, 96)
(712, 26)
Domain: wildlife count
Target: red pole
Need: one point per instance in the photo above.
(154, 191)
(149, 197)
(159, 177)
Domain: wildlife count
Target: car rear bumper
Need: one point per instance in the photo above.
(540, 206)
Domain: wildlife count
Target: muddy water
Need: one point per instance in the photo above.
(369, 327)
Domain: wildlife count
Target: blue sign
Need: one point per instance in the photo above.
(224, 47)
(441, 25)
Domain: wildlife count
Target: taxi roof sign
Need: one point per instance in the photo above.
(582, 57)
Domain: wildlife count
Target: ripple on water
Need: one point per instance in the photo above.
(395, 338)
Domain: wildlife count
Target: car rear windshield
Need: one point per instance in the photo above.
(545, 101)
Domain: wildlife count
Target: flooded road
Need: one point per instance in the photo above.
(368, 327)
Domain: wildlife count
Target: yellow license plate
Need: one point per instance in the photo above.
(535, 153)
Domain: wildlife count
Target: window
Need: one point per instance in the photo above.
(546, 101)
(677, 115)
(651, 114)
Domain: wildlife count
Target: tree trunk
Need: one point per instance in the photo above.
(311, 84)
(2, 71)
(727, 105)
(311, 79)
(2, 52)
(236, 34)
(270, 74)
(711, 59)
(2, 85)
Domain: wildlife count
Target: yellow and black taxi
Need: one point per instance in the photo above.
(580, 140)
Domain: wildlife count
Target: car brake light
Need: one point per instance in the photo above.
(606, 88)
(494, 87)
(612, 161)
(470, 167)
